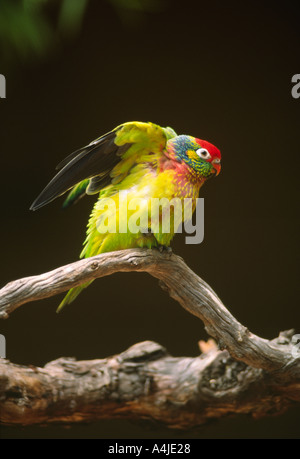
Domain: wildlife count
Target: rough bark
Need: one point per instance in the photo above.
(253, 375)
(142, 383)
(195, 295)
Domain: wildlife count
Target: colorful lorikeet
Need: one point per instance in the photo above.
(139, 160)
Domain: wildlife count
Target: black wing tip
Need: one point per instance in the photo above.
(103, 139)
(67, 166)
(37, 204)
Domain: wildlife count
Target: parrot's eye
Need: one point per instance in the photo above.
(203, 153)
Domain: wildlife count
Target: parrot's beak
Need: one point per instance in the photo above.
(217, 166)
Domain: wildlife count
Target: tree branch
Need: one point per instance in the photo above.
(142, 383)
(183, 285)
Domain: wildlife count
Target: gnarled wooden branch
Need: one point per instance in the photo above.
(182, 284)
(142, 383)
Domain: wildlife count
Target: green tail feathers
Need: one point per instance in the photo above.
(72, 294)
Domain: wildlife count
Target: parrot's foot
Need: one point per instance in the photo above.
(164, 249)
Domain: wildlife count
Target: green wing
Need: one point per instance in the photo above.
(106, 160)
(76, 193)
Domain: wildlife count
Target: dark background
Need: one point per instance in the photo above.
(215, 70)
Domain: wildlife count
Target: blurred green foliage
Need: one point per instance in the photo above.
(32, 28)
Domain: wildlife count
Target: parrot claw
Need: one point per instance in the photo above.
(164, 249)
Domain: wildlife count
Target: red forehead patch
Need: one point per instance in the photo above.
(214, 151)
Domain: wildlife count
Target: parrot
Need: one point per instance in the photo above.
(134, 160)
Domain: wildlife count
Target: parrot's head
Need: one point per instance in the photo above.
(201, 156)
